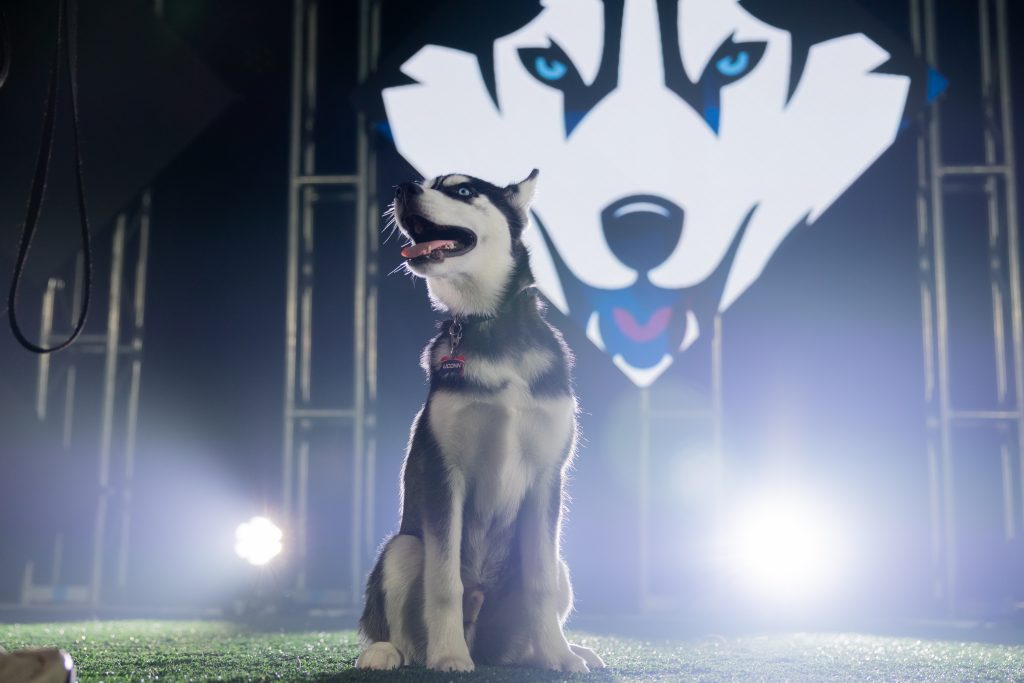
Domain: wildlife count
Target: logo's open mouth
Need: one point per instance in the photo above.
(432, 242)
(643, 326)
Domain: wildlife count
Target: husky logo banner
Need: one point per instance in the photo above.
(679, 143)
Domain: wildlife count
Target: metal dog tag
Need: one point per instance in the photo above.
(451, 367)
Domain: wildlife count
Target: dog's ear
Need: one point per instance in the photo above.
(521, 194)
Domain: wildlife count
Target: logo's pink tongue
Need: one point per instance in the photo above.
(421, 248)
(642, 333)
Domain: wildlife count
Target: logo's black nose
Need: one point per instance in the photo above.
(642, 230)
(408, 190)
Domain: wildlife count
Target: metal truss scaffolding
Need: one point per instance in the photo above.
(306, 415)
(974, 366)
(120, 348)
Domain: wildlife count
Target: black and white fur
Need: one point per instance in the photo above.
(474, 574)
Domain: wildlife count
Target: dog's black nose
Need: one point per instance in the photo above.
(642, 230)
(408, 190)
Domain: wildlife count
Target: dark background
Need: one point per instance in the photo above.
(823, 364)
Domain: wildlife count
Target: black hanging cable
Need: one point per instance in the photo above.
(66, 48)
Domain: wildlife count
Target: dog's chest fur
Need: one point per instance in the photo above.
(498, 430)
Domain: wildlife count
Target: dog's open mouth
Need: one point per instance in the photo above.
(432, 242)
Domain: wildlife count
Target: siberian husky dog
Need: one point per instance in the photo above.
(474, 574)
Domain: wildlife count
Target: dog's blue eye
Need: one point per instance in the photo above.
(550, 69)
(464, 191)
(733, 65)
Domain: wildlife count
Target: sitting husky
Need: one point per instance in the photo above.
(474, 573)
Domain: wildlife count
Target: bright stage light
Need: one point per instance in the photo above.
(258, 541)
(784, 549)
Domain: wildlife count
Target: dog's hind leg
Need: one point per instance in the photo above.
(392, 623)
(472, 603)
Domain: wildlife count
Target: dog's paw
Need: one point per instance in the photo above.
(380, 656)
(592, 659)
(566, 662)
(451, 663)
(573, 664)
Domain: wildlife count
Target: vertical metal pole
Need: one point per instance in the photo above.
(69, 405)
(292, 282)
(1009, 508)
(302, 515)
(371, 39)
(717, 420)
(644, 494)
(58, 560)
(306, 337)
(307, 278)
(72, 374)
(310, 82)
(129, 474)
(45, 330)
(109, 387)
(141, 264)
(996, 262)
(1012, 227)
(26, 583)
(134, 388)
(941, 322)
(992, 194)
(364, 225)
(924, 235)
(931, 242)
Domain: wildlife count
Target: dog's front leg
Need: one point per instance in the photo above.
(539, 535)
(442, 540)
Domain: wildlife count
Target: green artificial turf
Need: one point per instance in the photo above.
(200, 651)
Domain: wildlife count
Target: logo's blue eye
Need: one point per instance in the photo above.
(465, 191)
(733, 65)
(550, 69)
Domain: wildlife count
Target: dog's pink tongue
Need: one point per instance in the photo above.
(421, 248)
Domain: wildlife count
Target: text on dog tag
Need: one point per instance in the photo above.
(451, 367)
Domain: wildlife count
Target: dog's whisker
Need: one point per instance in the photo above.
(390, 226)
(397, 268)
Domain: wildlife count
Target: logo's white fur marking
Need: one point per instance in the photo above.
(594, 331)
(643, 377)
(692, 331)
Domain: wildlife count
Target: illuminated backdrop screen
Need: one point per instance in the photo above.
(679, 143)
